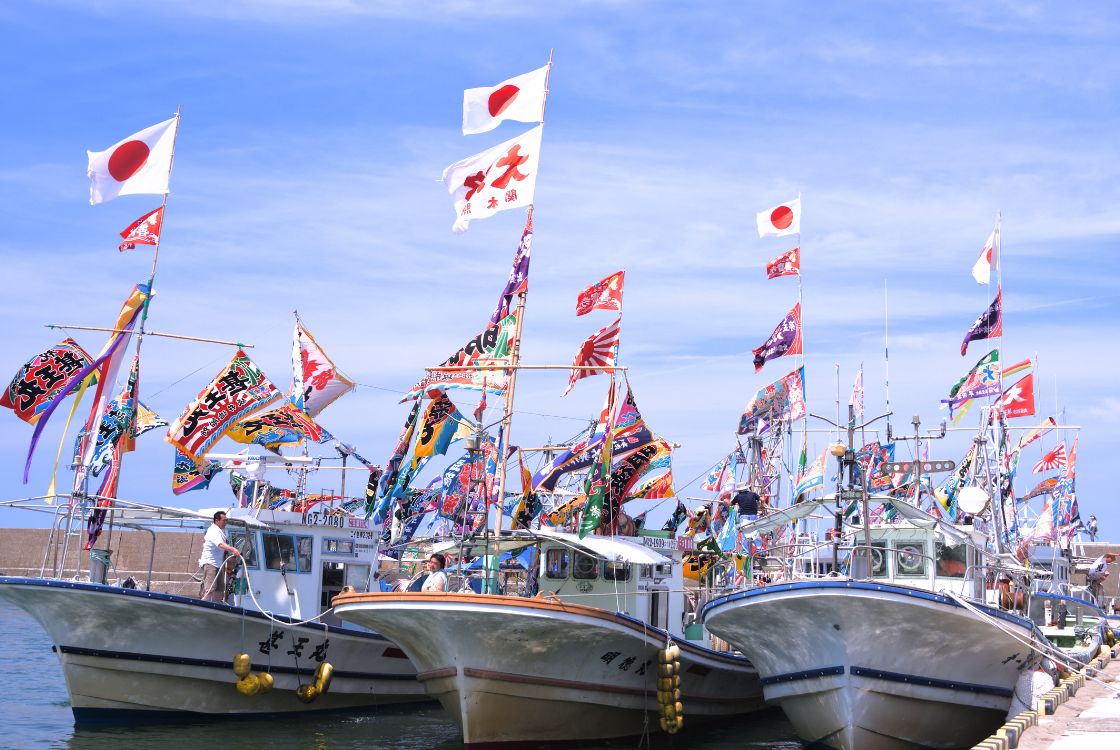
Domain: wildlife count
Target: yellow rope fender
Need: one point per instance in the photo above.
(668, 688)
(242, 665)
(323, 677)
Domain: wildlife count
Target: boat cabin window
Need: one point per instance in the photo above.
(879, 559)
(616, 571)
(556, 563)
(952, 562)
(338, 546)
(584, 567)
(910, 558)
(243, 540)
(293, 553)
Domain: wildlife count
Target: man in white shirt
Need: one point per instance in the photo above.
(213, 587)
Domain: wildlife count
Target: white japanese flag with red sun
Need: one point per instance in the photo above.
(781, 220)
(520, 98)
(499, 178)
(989, 256)
(138, 165)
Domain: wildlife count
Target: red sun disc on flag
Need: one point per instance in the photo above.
(501, 99)
(782, 217)
(127, 159)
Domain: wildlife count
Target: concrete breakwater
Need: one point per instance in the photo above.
(23, 552)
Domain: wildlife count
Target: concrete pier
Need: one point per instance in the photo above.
(1089, 720)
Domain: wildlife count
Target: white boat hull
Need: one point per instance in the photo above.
(512, 669)
(865, 666)
(128, 654)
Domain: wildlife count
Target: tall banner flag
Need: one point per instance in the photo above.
(388, 478)
(143, 231)
(1064, 496)
(520, 98)
(1018, 400)
(603, 295)
(989, 256)
(106, 364)
(783, 342)
(285, 424)
(598, 480)
(494, 346)
(501, 177)
(781, 220)
(1055, 459)
(40, 380)
(234, 392)
(600, 349)
(786, 264)
(717, 475)
(856, 399)
(117, 432)
(316, 382)
(988, 326)
(1045, 487)
(782, 399)
(138, 165)
(518, 282)
(982, 380)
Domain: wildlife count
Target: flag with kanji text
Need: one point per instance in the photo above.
(497, 179)
(786, 264)
(785, 341)
(602, 295)
(988, 326)
(42, 378)
(143, 231)
(518, 282)
(235, 392)
(284, 425)
(489, 349)
(316, 382)
(1018, 400)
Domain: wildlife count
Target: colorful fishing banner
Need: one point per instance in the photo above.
(316, 382)
(602, 295)
(813, 477)
(1054, 459)
(106, 364)
(597, 487)
(286, 424)
(785, 341)
(518, 282)
(717, 475)
(657, 488)
(494, 346)
(982, 380)
(236, 391)
(782, 399)
(1045, 487)
(117, 432)
(192, 475)
(146, 420)
(42, 378)
(440, 424)
(988, 326)
(676, 518)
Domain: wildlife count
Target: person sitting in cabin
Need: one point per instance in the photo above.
(747, 500)
(211, 561)
(437, 579)
(1098, 572)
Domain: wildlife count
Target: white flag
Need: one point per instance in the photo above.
(499, 178)
(138, 165)
(781, 220)
(520, 98)
(982, 269)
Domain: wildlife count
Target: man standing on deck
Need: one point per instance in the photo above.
(211, 561)
(747, 500)
(1098, 571)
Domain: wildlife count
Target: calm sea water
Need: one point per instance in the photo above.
(35, 713)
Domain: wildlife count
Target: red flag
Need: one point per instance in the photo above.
(605, 295)
(786, 264)
(600, 349)
(143, 231)
(1055, 459)
(1018, 400)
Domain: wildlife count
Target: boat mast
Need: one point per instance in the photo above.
(515, 354)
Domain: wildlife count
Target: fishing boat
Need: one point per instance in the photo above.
(267, 643)
(578, 661)
(905, 653)
(130, 653)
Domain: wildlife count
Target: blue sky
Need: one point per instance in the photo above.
(313, 134)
